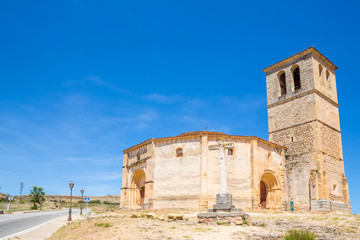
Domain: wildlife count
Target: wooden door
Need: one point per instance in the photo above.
(262, 194)
(142, 195)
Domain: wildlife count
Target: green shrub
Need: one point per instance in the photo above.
(35, 207)
(95, 201)
(246, 222)
(103, 224)
(299, 235)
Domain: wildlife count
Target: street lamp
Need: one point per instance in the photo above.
(82, 193)
(71, 185)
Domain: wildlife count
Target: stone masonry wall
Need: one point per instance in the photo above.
(177, 179)
(305, 64)
(238, 170)
(269, 160)
(323, 83)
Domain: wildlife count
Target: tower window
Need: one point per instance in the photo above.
(296, 75)
(282, 82)
(327, 75)
(320, 69)
(230, 152)
(179, 152)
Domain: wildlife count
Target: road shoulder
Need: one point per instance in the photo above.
(44, 230)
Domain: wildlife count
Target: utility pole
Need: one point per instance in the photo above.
(21, 188)
(10, 199)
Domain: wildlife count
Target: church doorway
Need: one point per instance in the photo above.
(137, 189)
(262, 194)
(142, 195)
(269, 187)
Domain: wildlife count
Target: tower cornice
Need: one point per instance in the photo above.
(298, 55)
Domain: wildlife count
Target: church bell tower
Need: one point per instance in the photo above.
(303, 116)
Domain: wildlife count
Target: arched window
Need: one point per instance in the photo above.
(179, 152)
(282, 82)
(327, 75)
(230, 152)
(138, 156)
(296, 76)
(320, 70)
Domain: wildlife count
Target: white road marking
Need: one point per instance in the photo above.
(30, 229)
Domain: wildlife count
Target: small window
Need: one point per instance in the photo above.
(179, 152)
(320, 70)
(296, 75)
(230, 152)
(282, 82)
(334, 187)
(327, 75)
(138, 156)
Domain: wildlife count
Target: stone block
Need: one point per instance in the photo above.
(134, 215)
(223, 202)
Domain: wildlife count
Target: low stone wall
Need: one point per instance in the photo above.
(330, 206)
(234, 218)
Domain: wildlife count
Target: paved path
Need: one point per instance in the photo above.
(11, 224)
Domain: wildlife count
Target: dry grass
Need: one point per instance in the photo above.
(60, 201)
(118, 225)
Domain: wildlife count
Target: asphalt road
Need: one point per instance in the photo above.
(14, 223)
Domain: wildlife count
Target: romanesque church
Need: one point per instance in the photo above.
(300, 167)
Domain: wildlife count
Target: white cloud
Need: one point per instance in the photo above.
(163, 98)
(99, 81)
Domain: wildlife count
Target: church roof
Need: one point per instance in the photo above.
(199, 134)
(300, 54)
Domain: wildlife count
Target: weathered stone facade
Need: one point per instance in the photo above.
(306, 121)
(192, 180)
(301, 163)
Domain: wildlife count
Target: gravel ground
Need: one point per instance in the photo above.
(262, 225)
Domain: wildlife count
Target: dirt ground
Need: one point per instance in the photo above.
(262, 225)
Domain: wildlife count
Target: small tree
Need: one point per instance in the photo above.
(37, 196)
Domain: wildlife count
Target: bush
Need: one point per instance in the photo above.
(246, 222)
(35, 207)
(21, 201)
(111, 203)
(103, 224)
(299, 235)
(95, 201)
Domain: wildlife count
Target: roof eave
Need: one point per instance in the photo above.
(292, 58)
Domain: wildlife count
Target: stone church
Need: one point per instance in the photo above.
(300, 167)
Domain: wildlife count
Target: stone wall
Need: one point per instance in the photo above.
(323, 83)
(268, 162)
(192, 181)
(177, 179)
(238, 168)
(306, 122)
(272, 79)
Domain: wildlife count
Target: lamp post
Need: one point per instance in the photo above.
(82, 193)
(71, 185)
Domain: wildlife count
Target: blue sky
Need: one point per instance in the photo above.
(84, 80)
